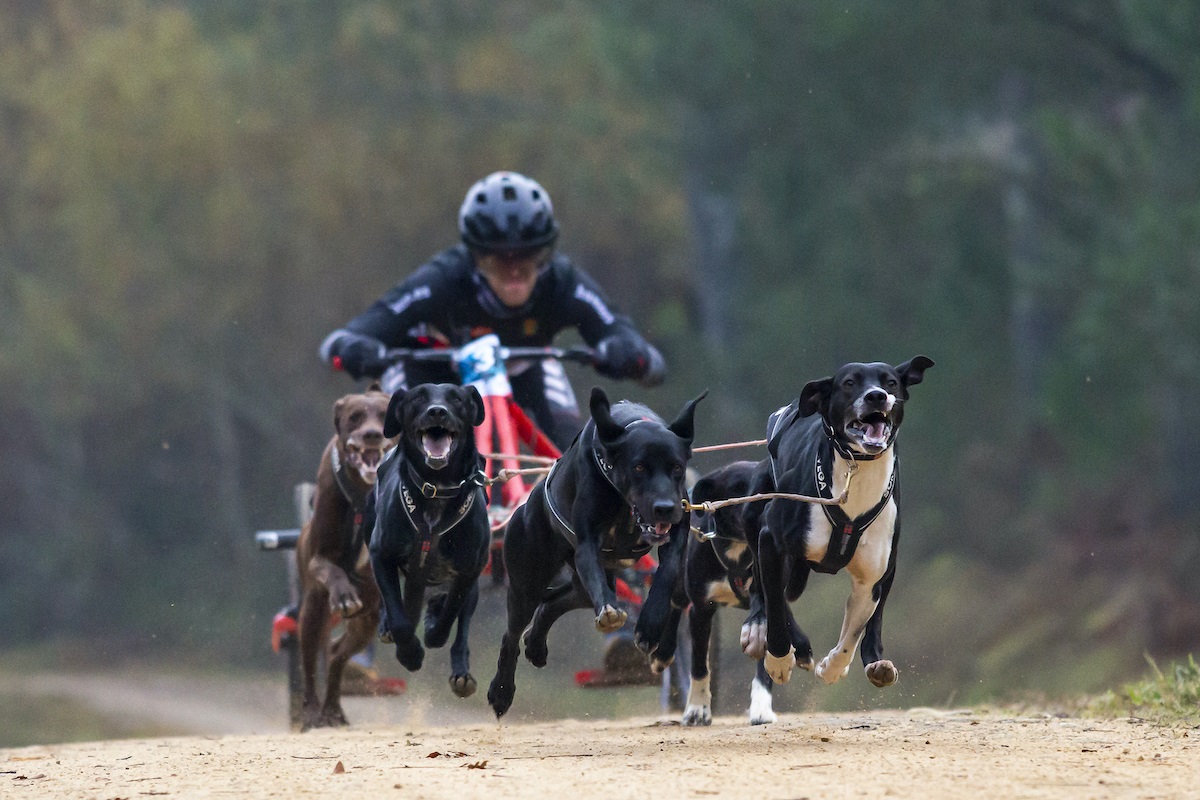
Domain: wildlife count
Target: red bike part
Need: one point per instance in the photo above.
(624, 592)
(530, 434)
(284, 624)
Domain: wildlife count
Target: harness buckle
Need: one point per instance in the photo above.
(428, 490)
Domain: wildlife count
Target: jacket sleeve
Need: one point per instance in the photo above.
(386, 321)
(587, 309)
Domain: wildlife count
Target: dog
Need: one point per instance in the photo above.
(719, 571)
(335, 576)
(614, 494)
(838, 436)
(431, 524)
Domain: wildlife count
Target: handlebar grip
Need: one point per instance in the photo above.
(277, 540)
(579, 354)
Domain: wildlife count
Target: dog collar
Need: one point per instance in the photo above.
(433, 491)
(606, 469)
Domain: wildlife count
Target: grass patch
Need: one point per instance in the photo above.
(1165, 697)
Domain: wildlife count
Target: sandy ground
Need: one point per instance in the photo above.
(920, 753)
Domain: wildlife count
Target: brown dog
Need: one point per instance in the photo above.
(331, 555)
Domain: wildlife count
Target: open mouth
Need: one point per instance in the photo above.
(872, 432)
(365, 461)
(436, 443)
(653, 535)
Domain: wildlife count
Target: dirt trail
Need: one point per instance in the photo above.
(919, 753)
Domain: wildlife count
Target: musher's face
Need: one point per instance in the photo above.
(512, 273)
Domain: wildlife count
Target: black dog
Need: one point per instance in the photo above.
(431, 523)
(719, 571)
(616, 492)
(841, 430)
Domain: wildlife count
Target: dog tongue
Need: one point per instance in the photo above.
(662, 528)
(436, 446)
(876, 433)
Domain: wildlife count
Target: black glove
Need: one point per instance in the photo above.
(621, 357)
(360, 356)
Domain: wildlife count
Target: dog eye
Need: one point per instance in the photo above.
(848, 383)
(892, 383)
(639, 467)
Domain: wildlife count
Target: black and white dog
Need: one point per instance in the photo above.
(840, 431)
(616, 492)
(719, 571)
(431, 523)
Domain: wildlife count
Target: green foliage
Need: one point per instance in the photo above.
(1165, 698)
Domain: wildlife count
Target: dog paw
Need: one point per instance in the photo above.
(410, 655)
(659, 665)
(537, 653)
(764, 717)
(346, 603)
(500, 696)
(831, 671)
(882, 673)
(754, 639)
(310, 718)
(463, 685)
(610, 620)
(333, 717)
(780, 667)
(694, 716)
(437, 636)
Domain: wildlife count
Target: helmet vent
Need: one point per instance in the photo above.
(509, 192)
(537, 195)
(481, 197)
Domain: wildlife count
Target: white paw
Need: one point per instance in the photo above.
(767, 717)
(610, 619)
(761, 712)
(780, 667)
(697, 715)
(754, 639)
(830, 670)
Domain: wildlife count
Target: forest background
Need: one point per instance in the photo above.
(193, 193)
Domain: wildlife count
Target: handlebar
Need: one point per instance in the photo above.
(578, 354)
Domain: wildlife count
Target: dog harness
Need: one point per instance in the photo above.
(353, 525)
(428, 532)
(840, 550)
(737, 575)
(560, 524)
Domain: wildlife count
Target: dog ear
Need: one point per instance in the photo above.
(393, 423)
(337, 414)
(375, 386)
(607, 428)
(684, 425)
(815, 396)
(475, 401)
(912, 371)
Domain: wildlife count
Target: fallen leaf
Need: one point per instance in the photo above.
(477, 765)
(339, 768)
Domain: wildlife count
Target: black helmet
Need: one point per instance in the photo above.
(507, 211)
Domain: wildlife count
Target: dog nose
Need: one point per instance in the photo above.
(372, 438)
(437, 412)
(876, 397)
(664, 510)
